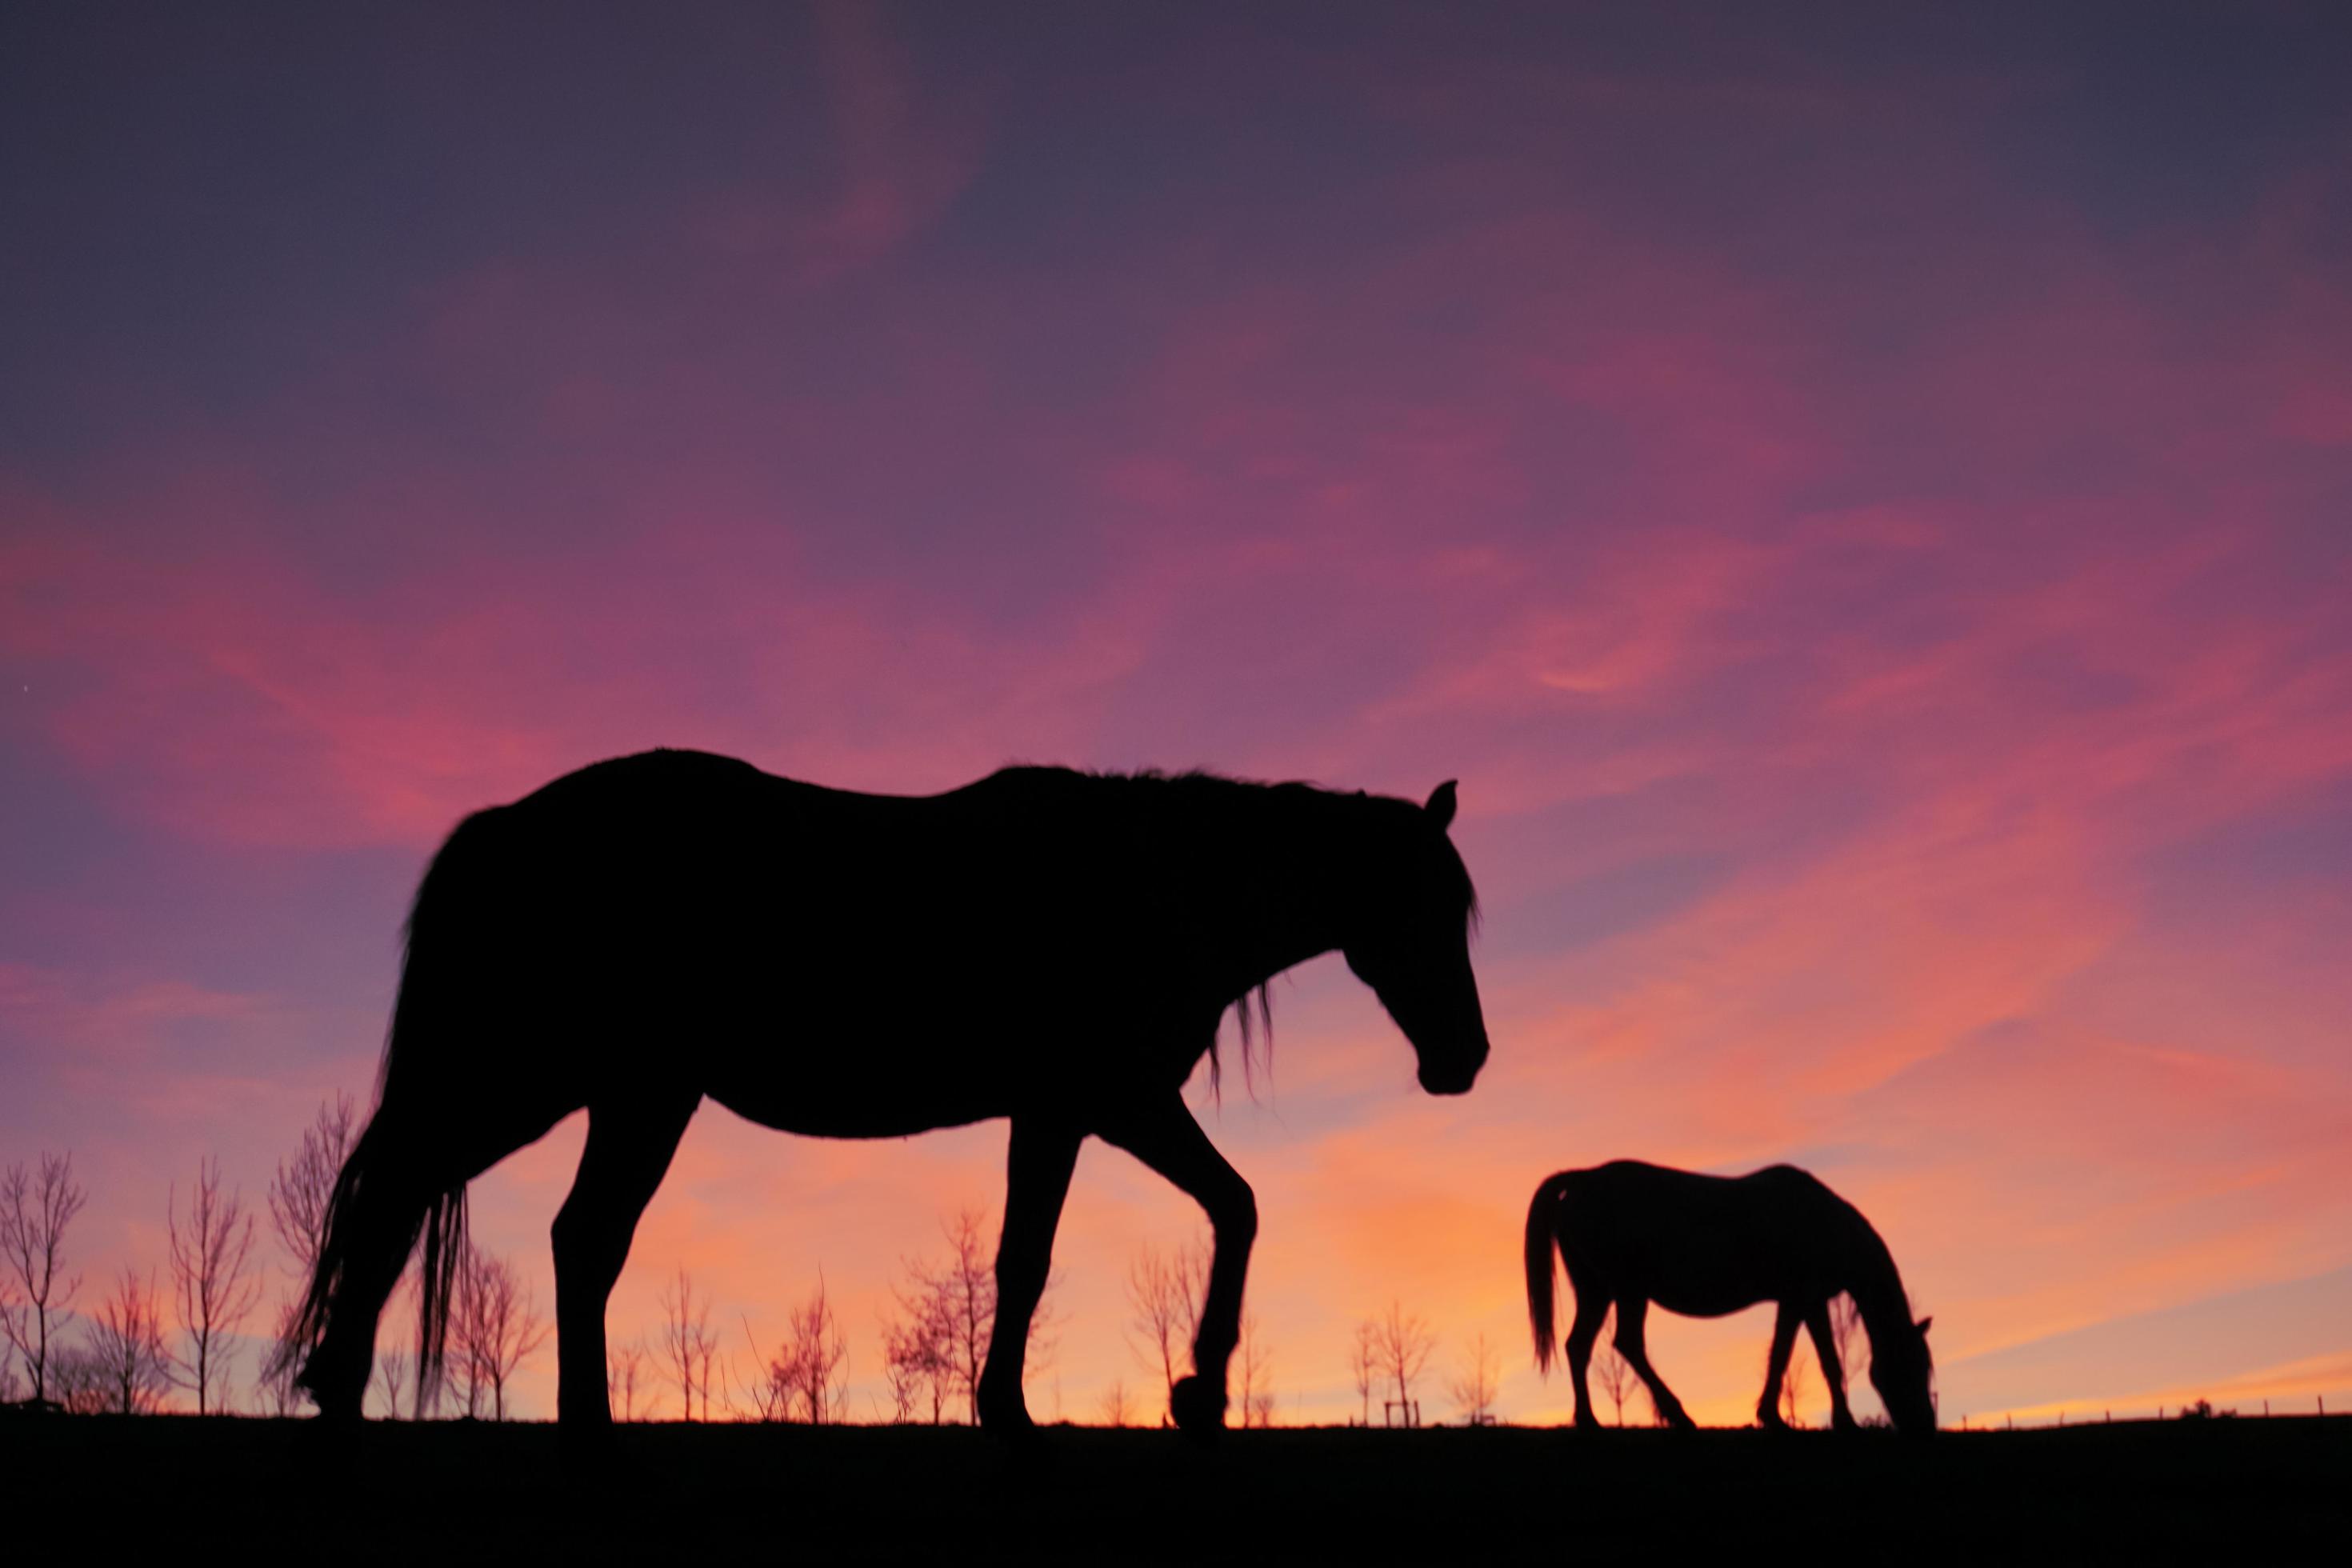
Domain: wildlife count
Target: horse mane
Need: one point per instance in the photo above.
(1223, 794)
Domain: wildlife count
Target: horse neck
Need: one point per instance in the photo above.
(1876, 1286)
(1276, 882)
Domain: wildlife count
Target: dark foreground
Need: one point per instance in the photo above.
(440, 1492)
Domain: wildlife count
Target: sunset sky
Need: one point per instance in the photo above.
(1861, 497)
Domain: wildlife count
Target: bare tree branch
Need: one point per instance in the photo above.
(1251, 1357)
(1792, 1386)
(804, 1380)
(937, 1349)
(78, 1381)
(1404, 1342)
(1165, 1293)
(1473, 1391)
(300, 1191)
(688, 1345)
(126, 1344)
(625, 1369)
(211, 1254)
(34, 1304)
(492, 1328)
(391, 1367)
(1616, 1378)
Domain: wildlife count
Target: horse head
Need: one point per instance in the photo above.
(1904, 1372)
(1407, 936)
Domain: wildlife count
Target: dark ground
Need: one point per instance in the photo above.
(441, 1492)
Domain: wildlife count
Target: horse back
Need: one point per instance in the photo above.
(1703, 1246)
(688, 882)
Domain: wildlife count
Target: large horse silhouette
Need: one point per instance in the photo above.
(1050, 946)
(1706, 1246)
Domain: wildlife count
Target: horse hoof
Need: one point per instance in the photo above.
(1199, 1410)
(338, 1411)
(1006, 1418)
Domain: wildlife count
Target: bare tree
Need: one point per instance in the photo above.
(1367, 1364)
(303, 1185)
(1114, 1406)
(771, 1388)
(965, 1288)
(78, 1381)
(1849, 1342)
(211, 1255)
(1251, 1357)
(819, 1356)
(1165, 1293)
(1792, 1386)
(1404, 1342)
(392, 1370)
(492, 1328)
(274, 1392)
(916, 1369)
(1473, 1391)
(126, 1345)
(625, 1369)
(35, 1303)
(950, 1317)
(1615, 1376)
(300, 1192)
(802, 1381)
(688, 1345)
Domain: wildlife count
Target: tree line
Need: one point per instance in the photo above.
(151, 1337)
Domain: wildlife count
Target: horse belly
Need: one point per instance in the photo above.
(867, 1078)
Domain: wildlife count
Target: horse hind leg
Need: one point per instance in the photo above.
(1591, 1311)
(379, 1208)
(629, 1148)
(1632, 1312)
(407, 1176)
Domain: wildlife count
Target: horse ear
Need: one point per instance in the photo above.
(1923, 1326)
(1441, 804)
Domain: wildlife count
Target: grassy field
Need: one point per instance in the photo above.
(440, 1492)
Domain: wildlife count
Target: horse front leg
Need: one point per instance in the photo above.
(1825, 1350)
(1784, 1341)
(1038, 1164)
(1165, 1137)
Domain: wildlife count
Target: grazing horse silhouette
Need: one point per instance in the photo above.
(1706, 1246)
(1050, 946)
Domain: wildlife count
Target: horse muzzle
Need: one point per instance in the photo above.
(1452, 1077)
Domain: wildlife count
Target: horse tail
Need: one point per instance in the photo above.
(1543, 1234)
(372, 1227)
(399, 1183)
